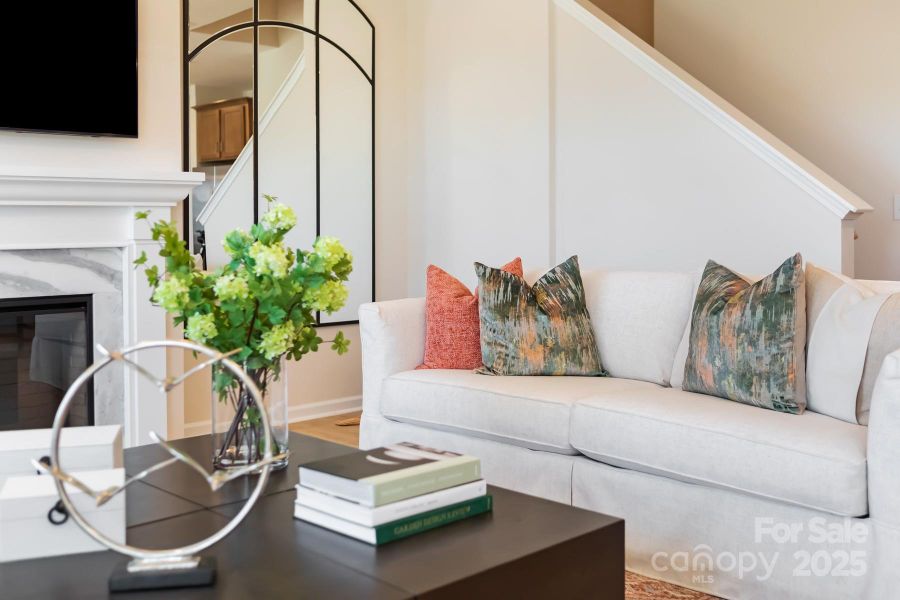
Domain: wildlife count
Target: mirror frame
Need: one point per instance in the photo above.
(188, 55)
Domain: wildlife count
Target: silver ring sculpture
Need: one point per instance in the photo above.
(145, 559)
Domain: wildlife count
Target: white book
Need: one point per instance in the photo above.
(386, 513)
(354, 530)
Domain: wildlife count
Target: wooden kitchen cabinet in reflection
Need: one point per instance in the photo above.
(223, 129)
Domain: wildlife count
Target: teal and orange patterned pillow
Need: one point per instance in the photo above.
(544, 329)
(747, 340)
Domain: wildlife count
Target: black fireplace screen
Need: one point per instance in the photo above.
(45, 343)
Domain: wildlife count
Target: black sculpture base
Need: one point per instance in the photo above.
(202, 575)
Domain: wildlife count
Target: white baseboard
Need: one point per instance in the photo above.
(324, 408)
(300, 412)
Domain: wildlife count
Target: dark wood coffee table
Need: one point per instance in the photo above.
(526, 548)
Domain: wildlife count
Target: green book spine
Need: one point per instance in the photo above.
(400, 485)
(398, 530)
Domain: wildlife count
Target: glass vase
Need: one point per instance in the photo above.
(238, 436)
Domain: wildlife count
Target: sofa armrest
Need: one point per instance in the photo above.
(393, 340)
(884, 444)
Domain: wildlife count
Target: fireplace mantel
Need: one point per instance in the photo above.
(30, 186)
(60, 209)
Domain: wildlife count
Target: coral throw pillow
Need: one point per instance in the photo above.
(452, 330)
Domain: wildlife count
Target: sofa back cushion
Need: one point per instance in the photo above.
(638, 318)
(884, 340)
(841, 315)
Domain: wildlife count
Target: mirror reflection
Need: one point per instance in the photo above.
(278, 135)
(296, 12)
(345, 152)
(220, 127)
(207, 17)
(346, 26)
(287, 129)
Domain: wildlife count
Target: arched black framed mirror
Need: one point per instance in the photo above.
(279, 99)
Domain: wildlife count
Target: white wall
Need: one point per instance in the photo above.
(533, 136)
(158, 146)
(646, 181)
(820, 75)
(479, 135)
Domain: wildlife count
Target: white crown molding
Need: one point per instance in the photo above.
(815, 182)
(36, 186)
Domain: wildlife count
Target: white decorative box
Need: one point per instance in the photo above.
(80, 449)
(26, 532)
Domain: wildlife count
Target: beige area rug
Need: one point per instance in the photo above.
(638, 587)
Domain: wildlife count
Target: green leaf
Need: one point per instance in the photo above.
(277, 315)
(253, 415)
(152, 274)
(341, 345)
(141, 215)
(141, 259)
(236, 317)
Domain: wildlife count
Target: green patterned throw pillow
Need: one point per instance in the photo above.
(747, 340)
(544, 329)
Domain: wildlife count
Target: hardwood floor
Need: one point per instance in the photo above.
(326, 428)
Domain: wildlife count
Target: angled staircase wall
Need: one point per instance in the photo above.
(644, 152)
(560, 132)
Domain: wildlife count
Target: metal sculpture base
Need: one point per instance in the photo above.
(143, 575)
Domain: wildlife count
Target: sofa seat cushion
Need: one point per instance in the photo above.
(811, 460)
(532, 412)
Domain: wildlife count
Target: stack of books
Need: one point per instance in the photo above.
(390, 493)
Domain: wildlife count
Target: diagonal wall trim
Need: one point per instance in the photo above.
(815, 182)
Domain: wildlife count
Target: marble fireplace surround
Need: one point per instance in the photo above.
(73, 232)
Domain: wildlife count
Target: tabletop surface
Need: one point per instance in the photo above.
(271, 554)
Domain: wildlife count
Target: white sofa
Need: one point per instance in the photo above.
(718, 496)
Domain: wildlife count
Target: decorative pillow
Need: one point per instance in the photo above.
(747, 340)
(452, 339)
(840, 313)
(544, 329)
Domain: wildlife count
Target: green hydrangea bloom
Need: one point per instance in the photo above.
(277, 340)
(279, 218)
(201, 328)
(272, 260)
(331, 250)
(236, 241)
(171, 294)
(328, 297)
(231, 287)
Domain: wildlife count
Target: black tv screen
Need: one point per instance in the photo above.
(69, 67)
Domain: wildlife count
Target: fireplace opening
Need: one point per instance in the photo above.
(45, 343)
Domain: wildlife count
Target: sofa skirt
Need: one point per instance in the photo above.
(726, 543)
(709, 539)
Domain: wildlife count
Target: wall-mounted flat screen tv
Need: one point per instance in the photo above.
(69, 67)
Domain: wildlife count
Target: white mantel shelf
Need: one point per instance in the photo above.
(29, 186)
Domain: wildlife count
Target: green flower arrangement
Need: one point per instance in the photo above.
(262, 302)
